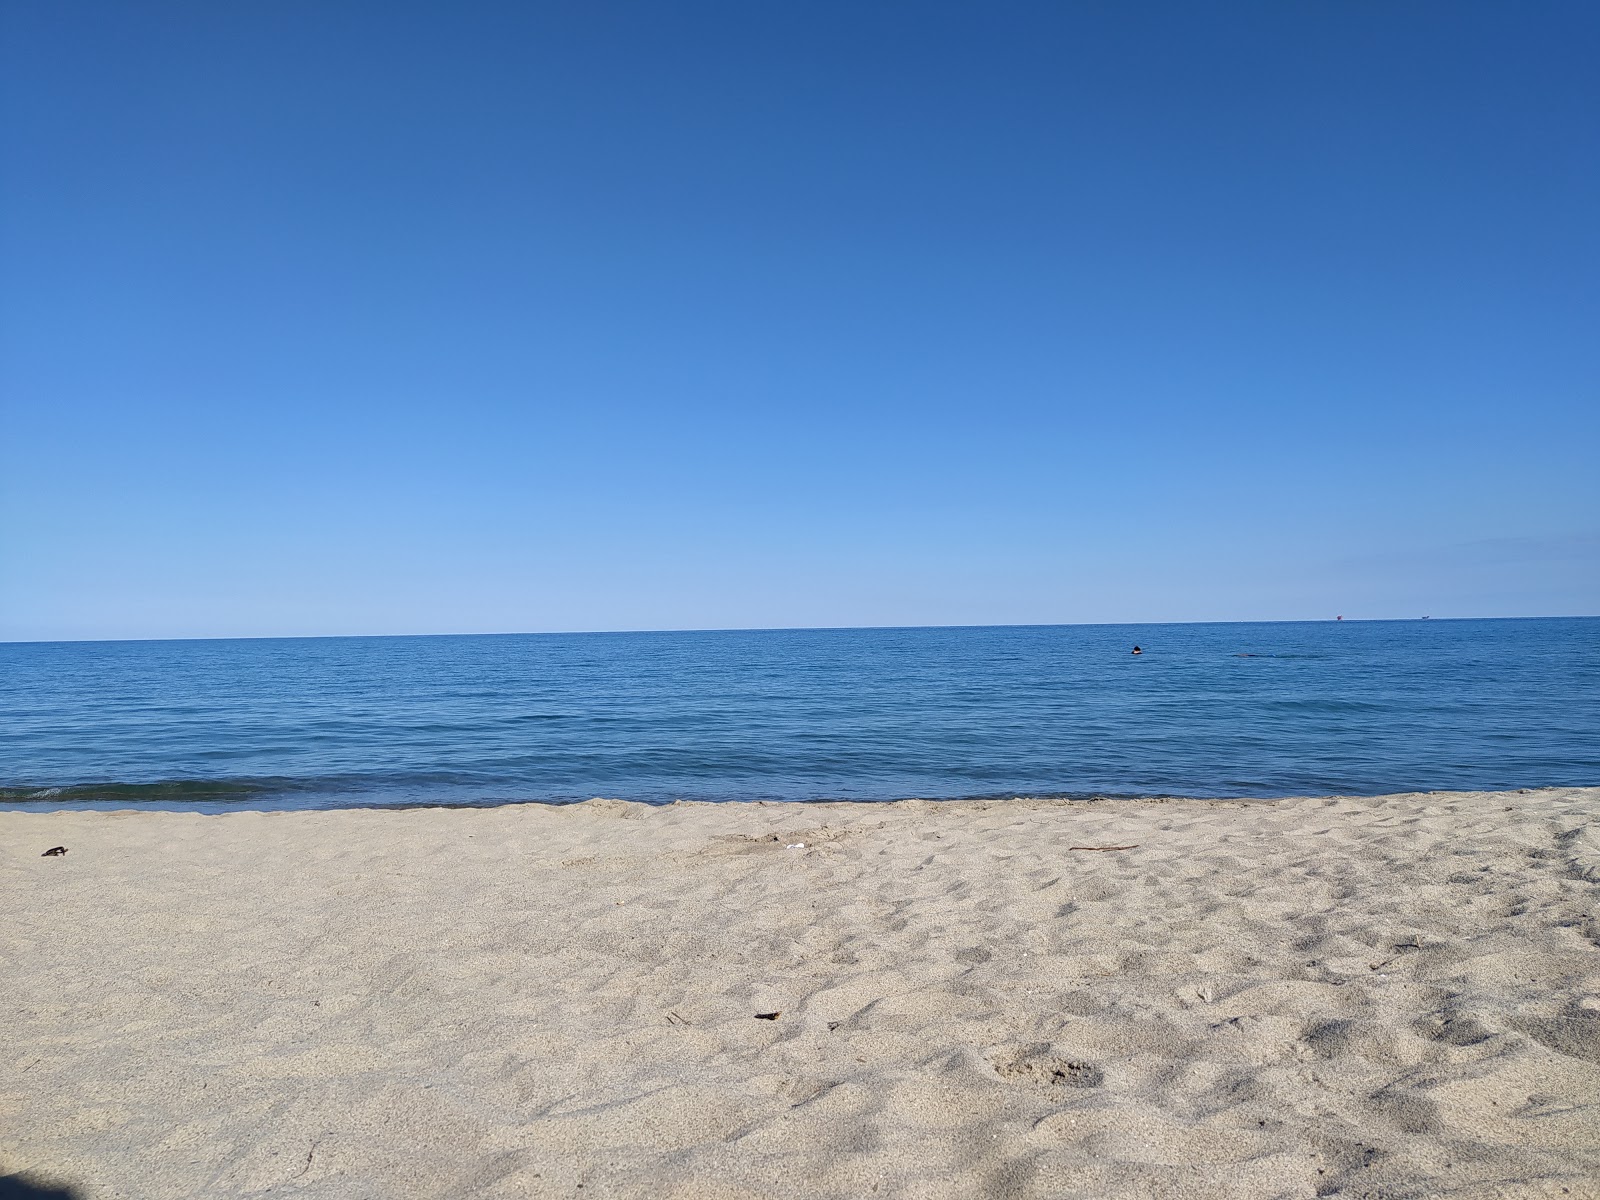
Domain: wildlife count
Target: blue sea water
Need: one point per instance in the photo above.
(860, 714)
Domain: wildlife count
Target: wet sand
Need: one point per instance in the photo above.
(1359, 997)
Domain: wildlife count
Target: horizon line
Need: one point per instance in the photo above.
(300, 637)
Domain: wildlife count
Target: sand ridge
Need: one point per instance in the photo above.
(1394, 996)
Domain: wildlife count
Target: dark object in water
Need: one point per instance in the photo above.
(772, 1016)
(54, 852)
(1136, 650)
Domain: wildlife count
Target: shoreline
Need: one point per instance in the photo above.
(1014, 997)
(46, 806)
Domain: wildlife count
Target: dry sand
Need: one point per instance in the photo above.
(1357, 997)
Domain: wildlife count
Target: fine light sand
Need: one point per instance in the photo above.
(1388, 997)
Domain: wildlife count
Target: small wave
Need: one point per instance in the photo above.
(166, 790)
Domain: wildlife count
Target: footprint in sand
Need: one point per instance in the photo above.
(1039, 1066)
(1452, 1029)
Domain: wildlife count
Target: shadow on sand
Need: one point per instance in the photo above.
(19, 1187)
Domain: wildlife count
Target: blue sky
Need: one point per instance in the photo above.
(402, 318)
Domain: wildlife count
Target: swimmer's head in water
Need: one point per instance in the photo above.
(1136, 650)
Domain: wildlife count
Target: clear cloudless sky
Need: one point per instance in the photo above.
(391, 317)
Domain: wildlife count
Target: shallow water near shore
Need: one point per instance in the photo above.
(1225, 710)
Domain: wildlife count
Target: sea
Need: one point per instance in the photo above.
(1223, 710)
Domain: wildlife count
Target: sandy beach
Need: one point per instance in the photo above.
(1386, 997)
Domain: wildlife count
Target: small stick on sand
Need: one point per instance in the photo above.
(1135, 846)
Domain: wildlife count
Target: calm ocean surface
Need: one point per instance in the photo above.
(861, 714)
